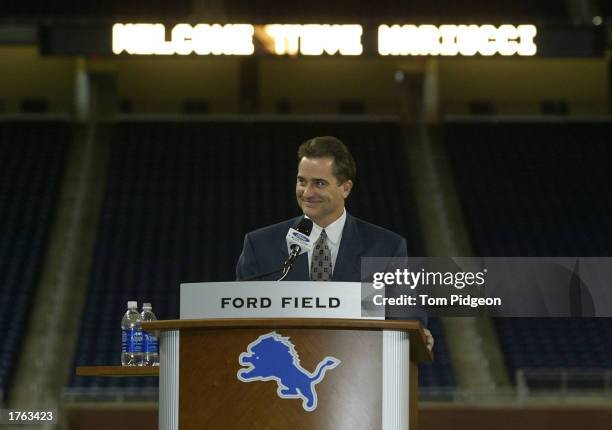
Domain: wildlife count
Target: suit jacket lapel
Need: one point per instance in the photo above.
(348, 262)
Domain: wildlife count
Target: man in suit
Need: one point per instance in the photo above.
(326, 171)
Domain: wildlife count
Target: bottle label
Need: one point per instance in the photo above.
(150, 342)
(131, 340)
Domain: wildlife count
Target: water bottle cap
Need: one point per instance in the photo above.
(147, 306)
(132, 305)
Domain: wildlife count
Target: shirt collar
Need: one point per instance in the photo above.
(333, 231)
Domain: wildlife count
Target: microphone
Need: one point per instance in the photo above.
(299, 242)
(298, 239)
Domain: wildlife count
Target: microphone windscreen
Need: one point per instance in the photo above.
(298, 237)
(305, 226)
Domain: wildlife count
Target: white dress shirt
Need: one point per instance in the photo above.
(334, 236)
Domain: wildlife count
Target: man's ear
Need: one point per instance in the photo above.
(346, 188)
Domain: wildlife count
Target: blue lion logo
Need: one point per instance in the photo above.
(273, 358)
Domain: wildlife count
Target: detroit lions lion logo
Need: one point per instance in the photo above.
(273, 358)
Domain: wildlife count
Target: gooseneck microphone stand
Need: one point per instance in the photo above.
(285, 269)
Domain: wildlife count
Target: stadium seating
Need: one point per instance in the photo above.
(31, 165)
(539, 189)
(550, 194)
(181, 195)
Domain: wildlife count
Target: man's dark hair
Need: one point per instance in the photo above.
(329, 146)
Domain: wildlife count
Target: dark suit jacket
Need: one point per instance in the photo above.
(266, 249)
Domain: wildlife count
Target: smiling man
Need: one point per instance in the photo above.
(325, 176)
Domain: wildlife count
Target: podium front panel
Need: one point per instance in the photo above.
(347, 397)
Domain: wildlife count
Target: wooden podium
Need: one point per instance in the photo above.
(236, 368)
(375, 386)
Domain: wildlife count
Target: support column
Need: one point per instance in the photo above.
(395, 380)
(169, 380)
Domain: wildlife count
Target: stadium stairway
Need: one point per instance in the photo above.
(472, 342)
(32, 155)
(43, 366)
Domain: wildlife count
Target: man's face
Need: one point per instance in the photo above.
(318, 192)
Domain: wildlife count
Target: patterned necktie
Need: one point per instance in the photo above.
(321, 269)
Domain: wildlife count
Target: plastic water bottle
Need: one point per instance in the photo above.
(131, 336)
(150, 345)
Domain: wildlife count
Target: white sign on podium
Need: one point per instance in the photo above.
(272, 300)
